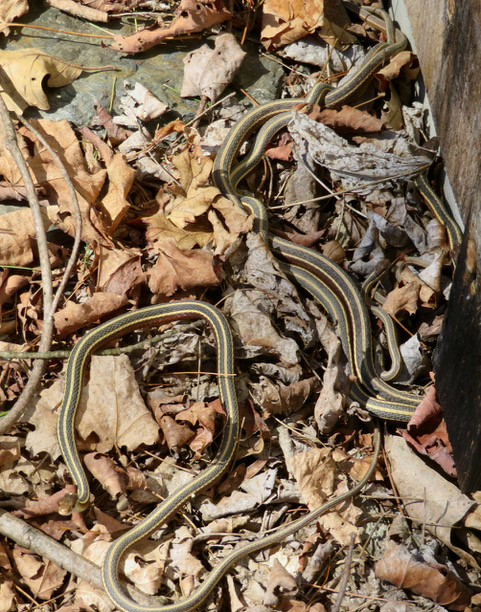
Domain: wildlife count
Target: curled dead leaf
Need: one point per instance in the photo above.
(408, 571)
(27, 69)
(190, 16)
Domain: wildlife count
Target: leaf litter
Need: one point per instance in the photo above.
(154, 228)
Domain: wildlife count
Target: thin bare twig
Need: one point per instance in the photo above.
(46, 339)
(345, 574)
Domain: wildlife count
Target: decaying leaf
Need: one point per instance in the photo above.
(189, 214)
(208, 71)
(47, 175)
(353, 165)
(139, 104)
(190, 16)
(177, 269)
(280, 582)
(75, 316)
(436, 582)
(26, 69)
(114, 204)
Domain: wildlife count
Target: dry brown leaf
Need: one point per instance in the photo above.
(113, 478)
(160, 227)
(76, 316)
(396, 64)
(293, 605)
(427, 433)
(182, 213)
(176, 269)
(281, 153)
(9, 450)
(278, 398)
(190, 16)
(120, 271)
(114, 204)
(401, 568)
(207, 71)
(27, 69)
(203, 416)
(279, 582)
(9, 283)
(139, 104)
(175, 434)
(350, 119)
(430, 499)
(42, 578)
(9, 11)
(406, 297)
(17, 237)
(112, 411)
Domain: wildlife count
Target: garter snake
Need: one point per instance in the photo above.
(345, 307)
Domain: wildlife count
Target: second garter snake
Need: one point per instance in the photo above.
(330, 285)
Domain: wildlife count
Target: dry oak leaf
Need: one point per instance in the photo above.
(18, 237)
(176, 269)
(114, 204)
(76, 316)
(26, 70)
(286, 22)
(317, 478)
(112, 411)
(208, 71)
(204, 416)
(278, 398)
(190, 16)
(175, 434)
(7, 596)
(401, 568)
(400, 62)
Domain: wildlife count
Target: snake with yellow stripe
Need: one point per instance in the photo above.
(318, 275)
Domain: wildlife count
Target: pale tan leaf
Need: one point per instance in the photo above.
(112, 408)
(279, 582)
(208, 71)
(42, 578)
(26, 69)
(9, 11)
